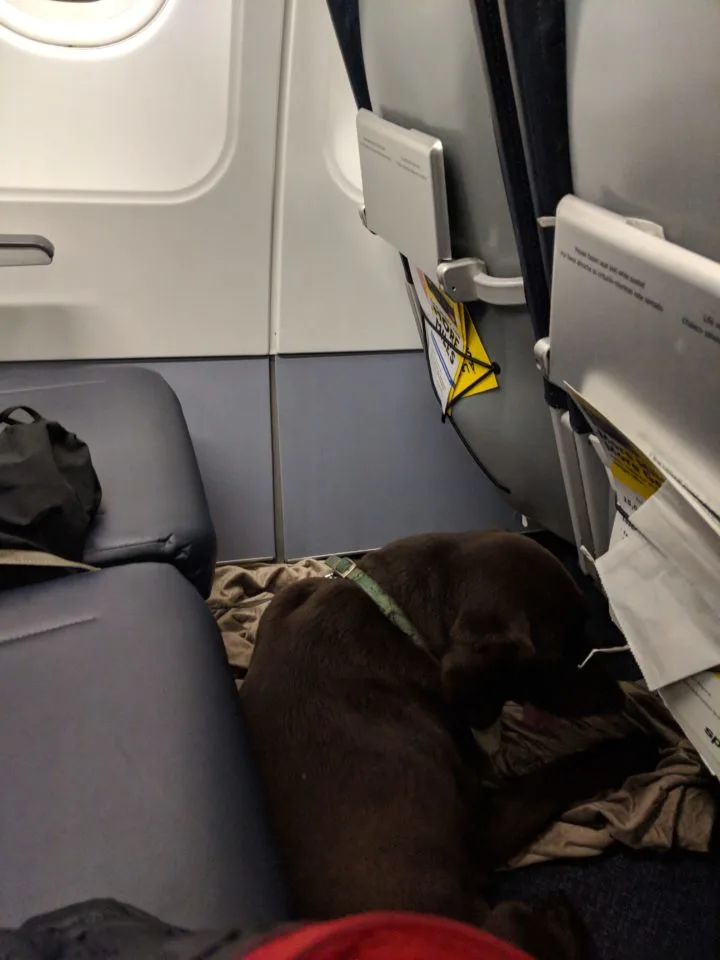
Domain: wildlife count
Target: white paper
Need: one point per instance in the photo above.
(442, 369)
(695, 704)
(444, 361)
(662, 589)
(688, 534)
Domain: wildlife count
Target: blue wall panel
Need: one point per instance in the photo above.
(227, 407)
(365, 457)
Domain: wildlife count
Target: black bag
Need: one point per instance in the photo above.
(49, 491)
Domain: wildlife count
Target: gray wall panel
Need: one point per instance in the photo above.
(365, 457)
(227, 408)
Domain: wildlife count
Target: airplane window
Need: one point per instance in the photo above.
(78, 23)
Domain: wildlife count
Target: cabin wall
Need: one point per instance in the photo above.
(365, 458)
(361, 457)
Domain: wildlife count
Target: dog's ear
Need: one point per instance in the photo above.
(481, 663)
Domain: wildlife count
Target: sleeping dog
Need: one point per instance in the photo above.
(376, 789)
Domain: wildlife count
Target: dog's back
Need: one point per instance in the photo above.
(364, 782)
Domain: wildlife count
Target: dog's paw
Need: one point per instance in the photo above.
(548, 929)
(571, 939)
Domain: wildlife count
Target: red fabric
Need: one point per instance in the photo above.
(386, 936)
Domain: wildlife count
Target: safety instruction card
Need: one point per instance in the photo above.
(459, 363)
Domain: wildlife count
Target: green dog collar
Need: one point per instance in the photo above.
(345, 568)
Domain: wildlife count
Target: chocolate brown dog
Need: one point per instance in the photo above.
(373, 781)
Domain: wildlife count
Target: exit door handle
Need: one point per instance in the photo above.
(18, 250)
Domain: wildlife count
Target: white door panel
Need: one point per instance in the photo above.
(149, 165)
(336, 287)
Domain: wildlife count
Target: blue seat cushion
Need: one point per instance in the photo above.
(154, 505)
(125, 767)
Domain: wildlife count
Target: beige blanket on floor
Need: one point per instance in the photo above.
(669, 808)
(240, 596)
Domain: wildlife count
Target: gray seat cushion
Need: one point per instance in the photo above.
(154, 505)
(125, 772)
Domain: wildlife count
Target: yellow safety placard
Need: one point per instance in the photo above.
(630, 466)
(635, 476)
(459, 363)
(475, 377)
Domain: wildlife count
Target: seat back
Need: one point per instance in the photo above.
(644, 84)
(425, 69)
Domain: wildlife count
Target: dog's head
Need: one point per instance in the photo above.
(519, 636)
